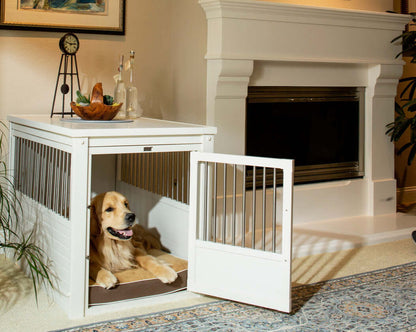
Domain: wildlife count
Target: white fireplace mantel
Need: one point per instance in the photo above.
(257, 43)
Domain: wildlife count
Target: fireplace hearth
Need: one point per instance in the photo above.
(321, 128)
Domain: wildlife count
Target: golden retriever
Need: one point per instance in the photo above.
(111, 242)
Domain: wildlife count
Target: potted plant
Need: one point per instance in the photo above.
(406, 109)
(18, 244)
(402, 130)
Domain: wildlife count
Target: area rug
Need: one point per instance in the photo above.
(382, 300)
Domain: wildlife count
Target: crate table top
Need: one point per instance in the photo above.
(75, 127)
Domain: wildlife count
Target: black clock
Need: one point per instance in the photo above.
(69, 43)
(68, 70)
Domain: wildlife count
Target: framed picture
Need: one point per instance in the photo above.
(89, 16)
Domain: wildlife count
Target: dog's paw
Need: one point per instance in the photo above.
(106, 279)
(166, 274)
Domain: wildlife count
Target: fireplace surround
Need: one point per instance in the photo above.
(254, 43)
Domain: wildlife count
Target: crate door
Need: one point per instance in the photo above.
(240, 237)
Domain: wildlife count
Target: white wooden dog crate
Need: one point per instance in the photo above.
(198, 201)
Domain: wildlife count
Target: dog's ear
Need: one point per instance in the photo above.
(95, 228)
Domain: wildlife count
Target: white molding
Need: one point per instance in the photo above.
(283, 12)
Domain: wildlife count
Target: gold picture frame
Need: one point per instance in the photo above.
(97, 16)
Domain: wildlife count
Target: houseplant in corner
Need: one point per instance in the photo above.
(402, 130)
(17, 243)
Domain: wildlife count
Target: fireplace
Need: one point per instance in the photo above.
(321, 128)
(253, 44)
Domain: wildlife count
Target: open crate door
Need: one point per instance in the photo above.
(240, 239)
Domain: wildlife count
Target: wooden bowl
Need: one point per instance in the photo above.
(96, 110)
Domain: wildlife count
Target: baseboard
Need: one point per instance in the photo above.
(406, 194)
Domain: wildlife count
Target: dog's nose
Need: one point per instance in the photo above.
(130, 218)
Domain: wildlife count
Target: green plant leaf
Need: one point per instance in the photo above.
(12, 236)
(412, 154)
(403, 148)
(398, 109)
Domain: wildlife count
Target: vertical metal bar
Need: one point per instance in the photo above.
(224, 205)
(214, 224)
(35, 171)
(146, 170)
(61, 184)
(234, 203)
(42, 175)
(135, 168)
(178, 164)
(55, 175)
(253, 212)
(188, 170)
(183, 177)
(30, 169)
(68, 188)
(168, 172)
(172, 174)
(263, 237)
(274, 212)
(16, 168)
(157, 173)
(163, 155)
(243, 240)
(65, 184)
(205, 182)
(153, 179)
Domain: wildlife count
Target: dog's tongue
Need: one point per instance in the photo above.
(125, 232)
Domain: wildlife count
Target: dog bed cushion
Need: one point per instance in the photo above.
(136, 283)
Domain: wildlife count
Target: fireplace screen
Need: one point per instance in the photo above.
(320, 128)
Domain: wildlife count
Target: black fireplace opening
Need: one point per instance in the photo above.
(321, 128)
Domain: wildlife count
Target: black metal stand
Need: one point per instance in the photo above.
(65, 88)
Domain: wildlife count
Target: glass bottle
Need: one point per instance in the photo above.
(120, 90)
(133, 108)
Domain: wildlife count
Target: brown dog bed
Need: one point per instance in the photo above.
(136, 283)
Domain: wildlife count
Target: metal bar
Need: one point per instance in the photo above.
(178, 164)
(43, 175)
(263, 238)
(188, 170)
(274, 212)
(183, 178)
(61, 183)
(224, 205)
(205, 232)
(243, 226)
(54, 202)
(214, 224)
(234, 203)
(253, 212)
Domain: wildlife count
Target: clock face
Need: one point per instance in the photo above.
(69, 43)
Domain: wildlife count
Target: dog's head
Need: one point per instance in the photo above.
(111, 216)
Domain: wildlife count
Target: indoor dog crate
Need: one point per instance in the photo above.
(237, 241)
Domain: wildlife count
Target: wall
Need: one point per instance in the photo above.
(29, 61)
(169, 37)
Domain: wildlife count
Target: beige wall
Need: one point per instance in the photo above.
(169, 37)
(29, 61)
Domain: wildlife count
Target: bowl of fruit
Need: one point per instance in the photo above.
(98, 107)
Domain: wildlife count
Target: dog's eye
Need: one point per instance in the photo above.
(126, 204)
(109, 209)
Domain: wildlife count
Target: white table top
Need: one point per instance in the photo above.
(75, 127)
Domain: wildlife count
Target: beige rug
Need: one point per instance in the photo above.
(22, 314)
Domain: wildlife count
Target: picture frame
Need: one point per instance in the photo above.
(109, 19)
